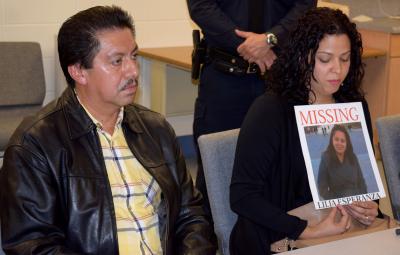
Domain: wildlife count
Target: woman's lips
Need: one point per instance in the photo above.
(334, 82)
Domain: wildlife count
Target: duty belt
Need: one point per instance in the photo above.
(229, 63)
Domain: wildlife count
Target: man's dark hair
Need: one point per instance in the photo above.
(292, 72)
(77, 39)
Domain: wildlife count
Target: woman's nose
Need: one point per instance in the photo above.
(337, 66)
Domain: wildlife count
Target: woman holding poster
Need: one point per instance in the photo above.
(321, 64)
(340, 174)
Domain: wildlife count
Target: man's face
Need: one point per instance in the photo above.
(112, 79)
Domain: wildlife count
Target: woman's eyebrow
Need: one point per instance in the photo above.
(330, 53)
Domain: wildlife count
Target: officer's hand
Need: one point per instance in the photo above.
(266, 62)
(254, 46)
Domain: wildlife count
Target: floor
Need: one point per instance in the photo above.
(191, 165)
(189, 153)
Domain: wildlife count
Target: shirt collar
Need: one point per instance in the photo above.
(98, 123)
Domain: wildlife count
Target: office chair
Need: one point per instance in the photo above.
(389, 142)
(217, 153)
(22, 85)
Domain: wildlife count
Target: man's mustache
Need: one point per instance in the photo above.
(127, 83)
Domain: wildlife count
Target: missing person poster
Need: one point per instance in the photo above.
(340, 162)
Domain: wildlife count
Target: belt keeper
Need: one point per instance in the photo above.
(252, 68)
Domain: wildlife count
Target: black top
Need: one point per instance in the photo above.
(269, 176)
(340, 179)
(219, 18)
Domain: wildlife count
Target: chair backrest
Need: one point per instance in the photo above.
(22, 84)
(389, 142)
(217, 153)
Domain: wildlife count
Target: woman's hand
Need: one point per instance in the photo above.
(328, 226)
(364, 212)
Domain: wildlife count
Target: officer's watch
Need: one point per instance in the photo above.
(271, 39)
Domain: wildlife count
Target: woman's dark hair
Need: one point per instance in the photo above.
(292, 72)
(77, 38)
(330, 150)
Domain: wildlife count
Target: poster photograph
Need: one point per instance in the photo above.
(337, 150)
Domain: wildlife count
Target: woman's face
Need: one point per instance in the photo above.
(332, 63)
(339, 142)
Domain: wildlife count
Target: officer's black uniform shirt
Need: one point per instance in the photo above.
(218, 19)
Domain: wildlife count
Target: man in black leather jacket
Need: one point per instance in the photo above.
(55, 192)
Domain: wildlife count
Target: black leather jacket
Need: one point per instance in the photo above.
(55, 196)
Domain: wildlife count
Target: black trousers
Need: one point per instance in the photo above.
(222, 103)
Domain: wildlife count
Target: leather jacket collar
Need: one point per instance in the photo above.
(79, 123)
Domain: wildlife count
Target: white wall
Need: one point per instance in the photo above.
(158, 23)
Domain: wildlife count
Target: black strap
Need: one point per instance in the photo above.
(232, 64)
(256, 16)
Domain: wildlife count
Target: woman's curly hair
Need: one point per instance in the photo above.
(292, 72)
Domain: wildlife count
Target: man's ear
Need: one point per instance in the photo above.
(77, 73)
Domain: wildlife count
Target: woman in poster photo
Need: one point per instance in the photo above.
(321, 64)
(340, 173)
